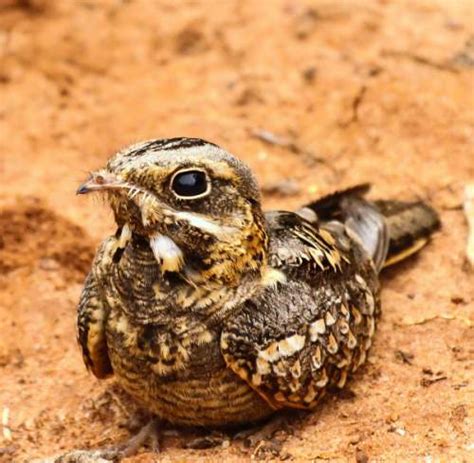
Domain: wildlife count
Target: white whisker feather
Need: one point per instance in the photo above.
(206, 225)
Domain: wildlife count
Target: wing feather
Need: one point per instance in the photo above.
(292, 342)
(92, 312)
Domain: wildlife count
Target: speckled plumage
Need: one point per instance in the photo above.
(260, 311)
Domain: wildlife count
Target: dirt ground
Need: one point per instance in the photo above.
(379, 91)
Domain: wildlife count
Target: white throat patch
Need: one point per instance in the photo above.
(167, 253)
(125, 236)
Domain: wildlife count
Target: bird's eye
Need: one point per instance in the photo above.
(190, 184)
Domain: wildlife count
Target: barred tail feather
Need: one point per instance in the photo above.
(410, 225)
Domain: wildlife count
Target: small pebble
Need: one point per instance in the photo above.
(355, 439)
(225, 444)
(309, 74)
(47, 263)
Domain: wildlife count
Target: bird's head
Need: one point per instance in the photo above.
(196, 205)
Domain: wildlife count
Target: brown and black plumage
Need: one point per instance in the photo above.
(209, 311)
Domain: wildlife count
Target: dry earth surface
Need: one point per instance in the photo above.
(379, 91)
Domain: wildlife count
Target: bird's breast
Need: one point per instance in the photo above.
(180, 377)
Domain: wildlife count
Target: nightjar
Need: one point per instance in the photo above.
(209, 311)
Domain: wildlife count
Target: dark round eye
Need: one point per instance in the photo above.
(190, 184)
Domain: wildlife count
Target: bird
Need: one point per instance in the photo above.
(209, 311)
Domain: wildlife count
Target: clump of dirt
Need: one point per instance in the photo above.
(31, 235)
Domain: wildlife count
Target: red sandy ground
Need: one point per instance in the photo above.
(378, 91)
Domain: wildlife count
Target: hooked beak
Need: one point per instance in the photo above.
(99, 181)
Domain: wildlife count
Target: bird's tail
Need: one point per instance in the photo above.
(390, 230)
(410, 225)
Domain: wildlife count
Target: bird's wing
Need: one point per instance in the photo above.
(361, 216)
(293, 340)
(92, 313)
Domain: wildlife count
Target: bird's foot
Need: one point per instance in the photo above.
(258, 438)
(211, 440)
(267, 440)
(147, 434)
(253, 436)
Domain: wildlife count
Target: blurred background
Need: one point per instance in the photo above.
(314, 96)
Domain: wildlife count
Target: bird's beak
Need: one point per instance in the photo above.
(99, 181)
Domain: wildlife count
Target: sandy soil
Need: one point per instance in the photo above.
(378, 91)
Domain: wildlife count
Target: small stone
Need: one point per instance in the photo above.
(309, 74)
(400, 431)
(404, 357)
(49, 264)
(226, 444)
(355, 439)
(361, 456)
